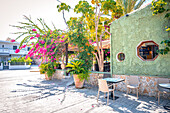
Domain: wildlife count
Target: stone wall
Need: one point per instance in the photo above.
(147, 84)
(93, 79)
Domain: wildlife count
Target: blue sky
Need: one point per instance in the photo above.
(12, 11)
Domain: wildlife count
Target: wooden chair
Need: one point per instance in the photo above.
(162, 90)
(103, 87)
(133, 83)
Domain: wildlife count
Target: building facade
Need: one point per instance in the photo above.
(7, 51)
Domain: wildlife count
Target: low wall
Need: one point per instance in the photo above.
(19, 66)
(1, 66)
(147, 84)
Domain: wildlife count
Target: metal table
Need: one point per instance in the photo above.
(165, 87)
(113, 81)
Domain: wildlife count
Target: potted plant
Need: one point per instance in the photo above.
(79, 71)
(48, 69)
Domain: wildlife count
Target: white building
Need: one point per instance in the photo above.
(7, 51)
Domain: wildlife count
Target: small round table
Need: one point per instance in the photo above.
(165, 87)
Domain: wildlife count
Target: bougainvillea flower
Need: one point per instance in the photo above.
(53, 53)
(37, 35)
(17, 51)
(51, 40)
(32, 37)
(23, 46)
(55, 67)
(26, 57)
(55, 41)
(48, 46)
(62, 41)
(51, 50)
(54, 58)
(42, 42)
(51, 57)
(37, 45)
(62, 36)
(34, 30)
(12, 40)
(53, 47)
(58, 37)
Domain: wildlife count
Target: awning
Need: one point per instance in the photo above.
(105, 45)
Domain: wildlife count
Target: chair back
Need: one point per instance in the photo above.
(133, 80)
(103, 85)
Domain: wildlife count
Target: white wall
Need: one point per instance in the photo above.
(19, 66)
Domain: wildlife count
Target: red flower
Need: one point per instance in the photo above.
(12, 40)
(17, 51)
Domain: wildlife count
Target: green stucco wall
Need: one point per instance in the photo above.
(128, 32)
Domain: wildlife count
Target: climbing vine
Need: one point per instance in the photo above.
(160, 7)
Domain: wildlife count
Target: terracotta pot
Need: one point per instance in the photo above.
(78, 83)
(46, 77)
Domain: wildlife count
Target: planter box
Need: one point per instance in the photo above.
(59, 74)
(19, 66)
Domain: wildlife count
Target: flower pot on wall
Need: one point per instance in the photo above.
(77, 81)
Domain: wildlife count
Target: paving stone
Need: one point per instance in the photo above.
(23, 91)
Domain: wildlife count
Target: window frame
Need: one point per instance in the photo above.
(139, 46)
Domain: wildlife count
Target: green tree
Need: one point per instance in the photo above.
(96, 19)
(130, 5)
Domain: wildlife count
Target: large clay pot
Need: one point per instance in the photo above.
(78, 83)
(46, 77)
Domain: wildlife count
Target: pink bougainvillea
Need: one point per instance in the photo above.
(12, 40)
(37, 35)
(32, 38)
(17, 51)
(34, 30)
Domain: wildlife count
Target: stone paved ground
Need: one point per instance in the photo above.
(23, 91)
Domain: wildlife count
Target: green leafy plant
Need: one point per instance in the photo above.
(20, 61)
(78, 67)
(48, 68)
(158, 6)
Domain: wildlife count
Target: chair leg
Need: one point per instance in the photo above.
(104, 94)
(113, 96)
(98, 95)
(127, 91)
(137, 92)
(158, 97)
(107, 98)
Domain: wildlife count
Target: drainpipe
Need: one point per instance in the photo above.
(111, 53)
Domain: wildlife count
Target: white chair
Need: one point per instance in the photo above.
(162, 90)
(132, 83)
(103, 87)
